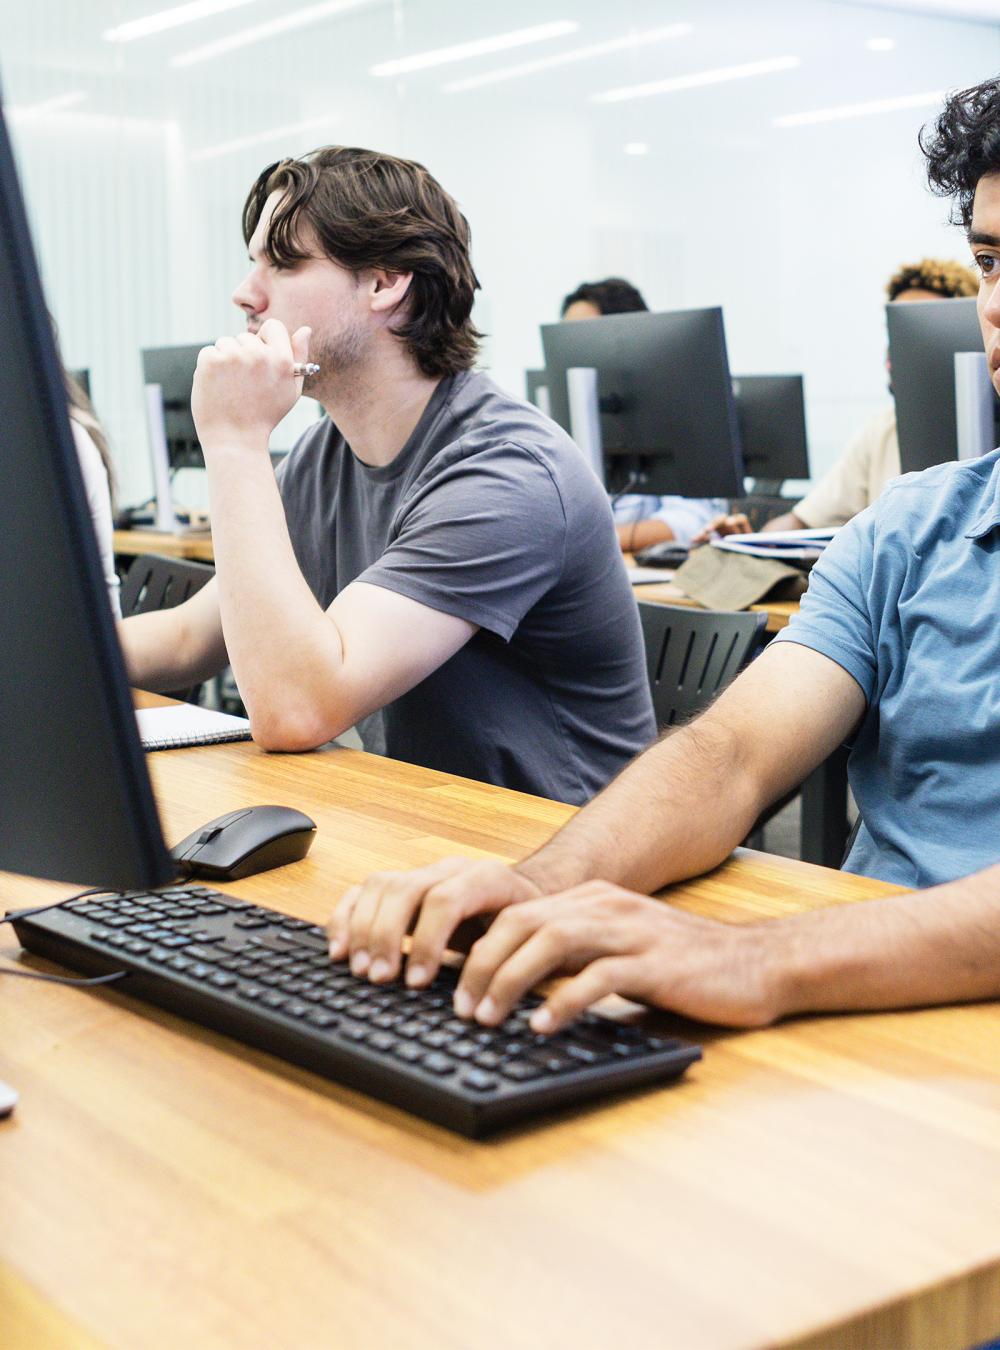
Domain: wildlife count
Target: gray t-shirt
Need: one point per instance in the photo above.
(490, 513)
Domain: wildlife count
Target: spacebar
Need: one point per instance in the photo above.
(286, 942)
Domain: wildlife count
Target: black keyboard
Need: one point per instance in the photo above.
(266, 979)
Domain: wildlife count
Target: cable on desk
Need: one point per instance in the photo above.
(59, 979)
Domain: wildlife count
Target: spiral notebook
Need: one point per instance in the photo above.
(184, 724)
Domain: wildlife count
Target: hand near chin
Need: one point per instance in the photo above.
(245, 385)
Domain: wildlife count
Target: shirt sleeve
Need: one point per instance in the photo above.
(843, 490)
(98, 490)
(834, 617)
(482, 539)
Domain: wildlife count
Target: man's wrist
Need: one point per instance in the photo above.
(547, 874)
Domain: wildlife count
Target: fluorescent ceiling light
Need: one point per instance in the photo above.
(696, 81)
(882, 105)
(169, 18)
(275, 134)
(521, 37)
(29, 112)
(880, 44)
(674, 30)
(636, 148)
(298, 18)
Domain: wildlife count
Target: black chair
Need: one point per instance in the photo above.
(154, 582)
(691, 654)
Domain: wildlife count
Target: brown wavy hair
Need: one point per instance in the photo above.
(370, 210)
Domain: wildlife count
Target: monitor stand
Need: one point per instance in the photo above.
(165, 518)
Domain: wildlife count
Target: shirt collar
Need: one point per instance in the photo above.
(989, 518)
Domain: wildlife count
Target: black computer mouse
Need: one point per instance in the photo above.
(247, 841)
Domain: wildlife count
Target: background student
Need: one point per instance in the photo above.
(641, 519)
(872, 458)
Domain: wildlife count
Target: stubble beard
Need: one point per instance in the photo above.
(341, 358)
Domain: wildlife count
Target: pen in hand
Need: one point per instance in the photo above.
(305, 368)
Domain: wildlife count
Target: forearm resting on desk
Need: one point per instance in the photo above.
(935, 946)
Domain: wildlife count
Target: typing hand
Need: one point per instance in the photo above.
(244, 385)
(371, 920)
(721, 526)
(612, 941)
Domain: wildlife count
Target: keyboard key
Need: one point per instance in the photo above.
(199, 971)
(408, 1052)
(521, 1070)
(382, 1040)
(438, 1064)
(222, 979)
(478, 1080)
(197, 951)
(319, 1017)
(272, 999)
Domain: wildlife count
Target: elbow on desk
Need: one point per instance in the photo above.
(291, 729)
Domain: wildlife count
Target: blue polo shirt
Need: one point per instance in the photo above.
(907, 600)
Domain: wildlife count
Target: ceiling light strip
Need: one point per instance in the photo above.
(298, 18)
(678, 82)
(258, 138)
(170, 18)
(882, 105)
(463, 51)
(674, 30)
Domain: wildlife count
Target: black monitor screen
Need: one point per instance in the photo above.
(772, 416)
(75, 798)
(923, 339)
(172, 368)
(82, 378)
(668, 421)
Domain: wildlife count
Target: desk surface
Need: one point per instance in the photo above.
(668, 593)
(136, 543)
(830, 1182)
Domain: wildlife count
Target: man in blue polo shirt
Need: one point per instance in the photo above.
(897, 649)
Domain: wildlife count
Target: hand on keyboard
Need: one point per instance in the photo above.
(371, 920)
(613, 941)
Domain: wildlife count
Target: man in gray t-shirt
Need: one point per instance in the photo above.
(489, 513)
(438, 566)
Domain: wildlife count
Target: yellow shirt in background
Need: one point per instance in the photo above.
(858, 476)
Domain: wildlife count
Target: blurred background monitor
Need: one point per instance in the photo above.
(82, 378)
(75, 798)
(667, 415)
(536, 388)
(172, 368)
(771, 411)
(923, 341)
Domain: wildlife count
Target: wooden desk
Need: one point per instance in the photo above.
(831, 1182)
(667, 593)
(136, 543)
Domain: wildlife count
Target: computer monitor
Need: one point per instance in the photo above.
(536, 387)
(667, 414)
(172, 368)
(924, 338)
(75, 797)
(771, 410)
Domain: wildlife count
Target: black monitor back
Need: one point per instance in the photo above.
(668, 419)
(75, 798)
(923, 339)
(771, 410)
(172, 368)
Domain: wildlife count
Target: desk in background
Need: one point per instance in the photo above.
(137, 543)
(829, 1182)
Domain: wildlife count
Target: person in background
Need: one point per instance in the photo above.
(434, 562)
(98, 480)
(641, 520)
(872, 457)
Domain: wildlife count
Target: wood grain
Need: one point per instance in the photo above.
(135, 543)
(831, 1182)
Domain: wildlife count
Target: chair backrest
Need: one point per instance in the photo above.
(693, 653)
(154, 582)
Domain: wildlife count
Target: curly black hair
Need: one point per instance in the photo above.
(613, 295)
(963, 145)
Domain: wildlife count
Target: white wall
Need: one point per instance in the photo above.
(793, 230)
